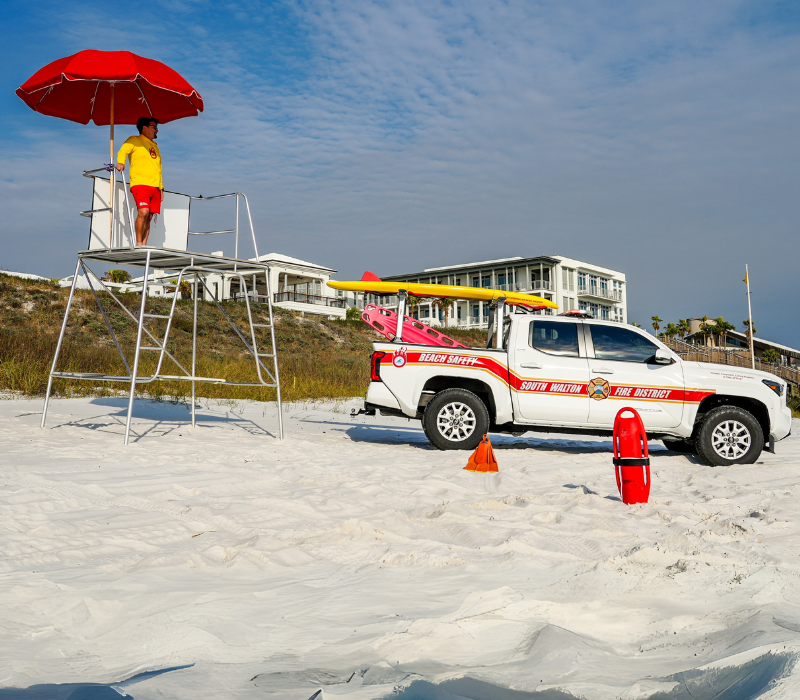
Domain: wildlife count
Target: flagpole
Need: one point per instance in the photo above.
(750, 317)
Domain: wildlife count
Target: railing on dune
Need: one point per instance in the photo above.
(736, 358)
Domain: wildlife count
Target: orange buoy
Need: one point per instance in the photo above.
(482, 460)
(631, 457)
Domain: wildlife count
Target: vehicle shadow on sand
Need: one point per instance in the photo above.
(415, 437)
(389, 435)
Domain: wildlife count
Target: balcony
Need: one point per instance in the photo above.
(600, 293)
(302, 298)
(537, 285)
(471, 322)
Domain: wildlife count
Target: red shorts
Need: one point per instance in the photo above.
(147, 197)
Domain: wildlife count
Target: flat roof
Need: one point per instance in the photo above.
(756, 340)
(786, 350)
(279, 257)
(484, 263)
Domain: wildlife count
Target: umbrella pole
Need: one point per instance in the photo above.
(112, 175)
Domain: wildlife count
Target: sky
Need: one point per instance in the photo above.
(658, 139)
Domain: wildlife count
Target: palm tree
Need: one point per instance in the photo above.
(443, 303)
(722, 327)
(118, 276)
(705, 328)
(412, 304)
(683, 327)
(746, 323)
(635, 325)
(671, 330)
(656, 321)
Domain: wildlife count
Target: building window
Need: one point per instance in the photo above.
(581, 282)
(604, 313)
(487, 281)
(568, 279)
(604, 286)
(475, 307)
(476, 281)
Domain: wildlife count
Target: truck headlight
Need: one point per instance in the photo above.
(777, 387)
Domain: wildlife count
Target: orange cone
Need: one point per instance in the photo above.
(482, 460)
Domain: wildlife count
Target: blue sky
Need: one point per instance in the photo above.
(660, 139)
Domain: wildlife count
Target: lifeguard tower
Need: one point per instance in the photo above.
(112, 240)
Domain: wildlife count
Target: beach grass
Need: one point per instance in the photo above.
(318, 358)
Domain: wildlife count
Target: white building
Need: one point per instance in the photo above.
(296, 285)
(571, 284)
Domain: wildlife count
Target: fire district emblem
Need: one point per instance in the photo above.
(400, 357)
(598, 389)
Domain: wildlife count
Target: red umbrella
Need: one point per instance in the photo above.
(107, 87)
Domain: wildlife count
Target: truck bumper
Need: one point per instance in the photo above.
(783, 424)
(379, 396)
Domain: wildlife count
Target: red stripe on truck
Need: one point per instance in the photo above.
(557, 387)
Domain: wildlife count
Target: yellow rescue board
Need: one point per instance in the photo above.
(444, 291)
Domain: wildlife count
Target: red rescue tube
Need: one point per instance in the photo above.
(631, 457)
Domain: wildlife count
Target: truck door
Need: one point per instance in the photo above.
(623, 372)
(549, 372)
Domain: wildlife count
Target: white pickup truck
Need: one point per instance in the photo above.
(572, 375)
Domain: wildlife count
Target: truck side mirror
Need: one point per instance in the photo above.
(663, 357)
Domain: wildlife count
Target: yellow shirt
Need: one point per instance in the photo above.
(145, 161)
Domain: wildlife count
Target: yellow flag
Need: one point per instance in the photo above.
(745, 278)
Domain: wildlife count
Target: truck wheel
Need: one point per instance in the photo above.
(729, 435)
(684, 447)
(455, 419)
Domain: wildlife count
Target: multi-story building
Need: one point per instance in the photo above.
(571, 284)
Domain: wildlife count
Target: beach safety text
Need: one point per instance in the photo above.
(449, 359)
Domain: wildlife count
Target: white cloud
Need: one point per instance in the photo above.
(656, 138)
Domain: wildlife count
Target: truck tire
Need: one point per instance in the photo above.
(729, 435)
(684, 447)
(455, 419)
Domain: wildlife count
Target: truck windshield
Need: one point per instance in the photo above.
(556, 338)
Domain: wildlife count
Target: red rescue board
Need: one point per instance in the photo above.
(385, 322)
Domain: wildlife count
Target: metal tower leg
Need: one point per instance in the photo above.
(138, 347)
(194, 345)
(274, 353)
(60, 340)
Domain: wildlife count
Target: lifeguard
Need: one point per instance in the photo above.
(147, 184)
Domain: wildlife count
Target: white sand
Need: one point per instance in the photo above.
(279, 568)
